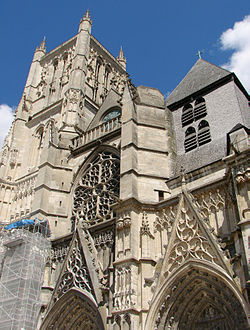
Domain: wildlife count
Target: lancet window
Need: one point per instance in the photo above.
(97, 190)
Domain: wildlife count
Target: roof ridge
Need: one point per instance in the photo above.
(201, 75)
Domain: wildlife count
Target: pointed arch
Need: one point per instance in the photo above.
(96, 187)
(195, 274)
(183, 298)
(74, 310)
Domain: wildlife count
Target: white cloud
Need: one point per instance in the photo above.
(238, 40)
(6, 118)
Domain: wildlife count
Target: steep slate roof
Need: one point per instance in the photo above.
(200, 76)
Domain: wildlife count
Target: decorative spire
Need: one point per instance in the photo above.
(121, 59)
(121, 55)
(86, 17)
(42, 45)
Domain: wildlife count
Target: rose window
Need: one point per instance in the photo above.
(97, 190)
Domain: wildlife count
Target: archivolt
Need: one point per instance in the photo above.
(197, 298)
(75, 310)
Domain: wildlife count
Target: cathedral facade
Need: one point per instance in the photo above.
(147, 199)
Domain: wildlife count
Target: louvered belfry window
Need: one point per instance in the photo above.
(203, 133)
(200, 109)
(187, 115)
(199, 133)
(190, 139)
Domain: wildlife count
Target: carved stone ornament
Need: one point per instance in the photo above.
(59, 253)
(242, 173)
(212, 199)
(25, 187)
(165, 218)
(76, 273)
(97, 190)
(73, 96)
(189, 243)
(133, 91)
(73, 312)
(124, 221)
(190, 239)
(105, 238)
(124, 297)
(200, 301)
(145, 229)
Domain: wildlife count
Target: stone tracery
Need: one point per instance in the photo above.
(76, 273)
(97, 190)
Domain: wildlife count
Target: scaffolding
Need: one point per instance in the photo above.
(23, 254)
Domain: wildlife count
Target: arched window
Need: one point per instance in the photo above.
(200, 109)
(111, 119)
(190, 139)
(203, 133)
(97, 190)
(187, 115)
(111, 115)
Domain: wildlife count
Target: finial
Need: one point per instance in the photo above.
(42, 45)
(121, 59)
(121, 55)
(199, 54)
(86, 17)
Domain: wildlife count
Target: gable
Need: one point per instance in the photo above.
(201, 75)
(79, 270)
(190, 240)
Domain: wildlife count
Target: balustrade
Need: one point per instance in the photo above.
(96, 132)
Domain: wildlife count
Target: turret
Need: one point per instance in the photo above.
(73, 114)
(35, 68)
(78, 74)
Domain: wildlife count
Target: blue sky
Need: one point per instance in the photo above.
(160, 38)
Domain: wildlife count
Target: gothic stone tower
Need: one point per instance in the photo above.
(147, 200)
